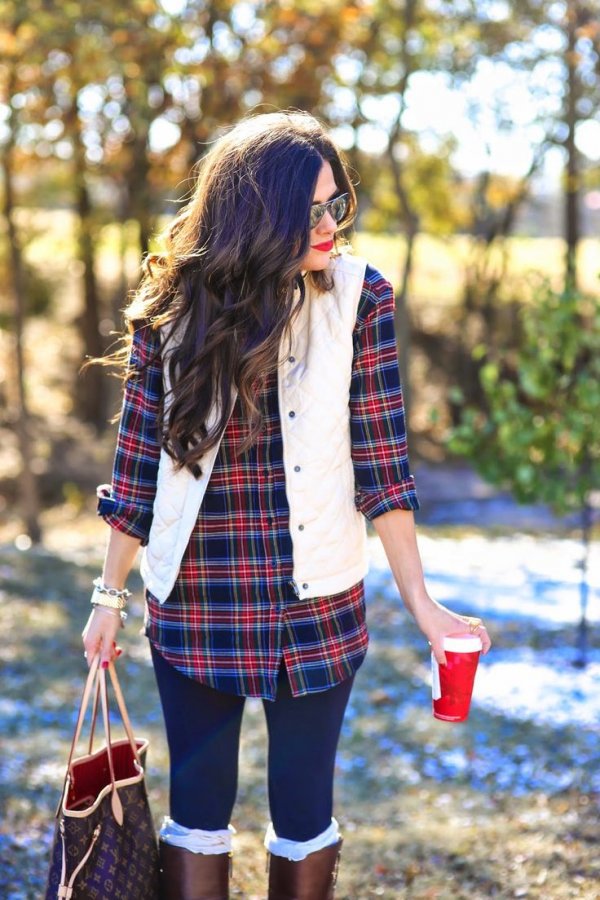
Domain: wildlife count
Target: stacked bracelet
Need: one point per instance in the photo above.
(110, 598)
(106, 596)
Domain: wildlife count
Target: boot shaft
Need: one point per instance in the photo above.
(311, 878)
(193, 876)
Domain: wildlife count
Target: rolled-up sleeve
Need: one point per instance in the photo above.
(127, 503)
(377, 422)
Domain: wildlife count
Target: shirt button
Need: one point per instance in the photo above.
(292, 359)
(269, 520)
(266, 473)
(300, 527)
(305, 586)
(296, 468)
(291, 414)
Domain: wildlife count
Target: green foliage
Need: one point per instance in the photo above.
(540, 433)
(429, 184)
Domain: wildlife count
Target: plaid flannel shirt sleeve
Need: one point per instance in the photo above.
(377, 422)
(126, 504)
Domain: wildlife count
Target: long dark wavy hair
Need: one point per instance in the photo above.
(225, 284)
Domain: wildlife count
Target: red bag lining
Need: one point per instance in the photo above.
(91, 774)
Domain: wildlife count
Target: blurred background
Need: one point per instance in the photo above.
(473, 129)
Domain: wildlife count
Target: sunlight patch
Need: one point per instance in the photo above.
(528, 687)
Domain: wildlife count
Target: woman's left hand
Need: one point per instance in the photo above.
(396, 528)
(435, 621)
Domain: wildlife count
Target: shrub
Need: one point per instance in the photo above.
(539, 434)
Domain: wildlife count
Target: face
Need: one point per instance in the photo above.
(321, 236)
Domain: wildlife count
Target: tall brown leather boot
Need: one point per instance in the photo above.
(312, 878)
(193, 876)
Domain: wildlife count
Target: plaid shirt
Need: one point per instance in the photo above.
(233, 615)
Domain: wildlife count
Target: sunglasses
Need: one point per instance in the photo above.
(336, 209)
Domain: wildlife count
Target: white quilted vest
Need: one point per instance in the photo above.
(328, 533)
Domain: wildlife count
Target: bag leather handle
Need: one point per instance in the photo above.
(85, 699)
(94, 717)
(82, 708)
(122, 710)
(96, 681)
(115, 803)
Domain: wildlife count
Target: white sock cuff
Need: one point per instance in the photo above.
(195, 839)
(297, 850)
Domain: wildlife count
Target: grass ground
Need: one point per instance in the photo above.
(415, 825)
(440, 262)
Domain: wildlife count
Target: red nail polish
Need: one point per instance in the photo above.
(105, 664)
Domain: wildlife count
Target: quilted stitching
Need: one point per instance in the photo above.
(330, 551)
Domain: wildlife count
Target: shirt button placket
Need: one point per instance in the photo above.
(292, 415)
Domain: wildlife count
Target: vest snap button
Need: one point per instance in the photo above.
(291, 414)
(292, 359)
(296, 468)
(300, 527)
(305, 586)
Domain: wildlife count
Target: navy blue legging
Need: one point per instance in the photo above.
(203, 733)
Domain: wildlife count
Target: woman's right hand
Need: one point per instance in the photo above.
(100, 635)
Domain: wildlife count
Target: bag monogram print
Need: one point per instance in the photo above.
(104, 841)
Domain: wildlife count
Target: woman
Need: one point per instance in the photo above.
(262, 423)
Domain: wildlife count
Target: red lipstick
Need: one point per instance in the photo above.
(325, 248)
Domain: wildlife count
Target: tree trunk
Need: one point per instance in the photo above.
(91, 400)
(402, 320)
(28, 489)
(584, 588)
(119, 298)
(136, 197)
(409, 215)
(572, 185)
(139, 188)
(144, 203)
(481, 314)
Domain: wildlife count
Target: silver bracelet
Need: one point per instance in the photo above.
(119, 593)
(100, 599)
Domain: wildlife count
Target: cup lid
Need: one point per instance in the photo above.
(462, 642)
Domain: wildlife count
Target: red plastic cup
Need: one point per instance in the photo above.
(452, 684)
